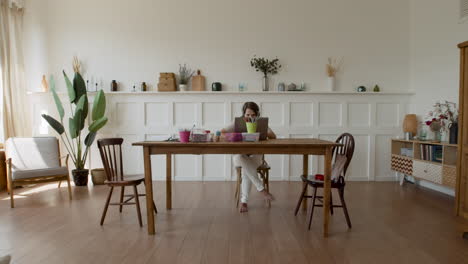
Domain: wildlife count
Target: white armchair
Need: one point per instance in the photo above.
(34, 160)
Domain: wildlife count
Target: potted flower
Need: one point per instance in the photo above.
(266, 67)
(442, 119)
(185, 74)
(77, 147)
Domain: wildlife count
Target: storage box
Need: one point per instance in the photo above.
(251, 137)
(201, 137)
(167, 82)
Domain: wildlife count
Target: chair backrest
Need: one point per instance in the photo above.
(344, 151)
(33, 153)
(111, 156)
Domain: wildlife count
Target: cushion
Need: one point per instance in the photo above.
(25, 174)
(33, 153)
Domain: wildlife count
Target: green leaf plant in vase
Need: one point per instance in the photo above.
(76, 145)
(266, 67)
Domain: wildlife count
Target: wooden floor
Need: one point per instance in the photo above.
(391, 224)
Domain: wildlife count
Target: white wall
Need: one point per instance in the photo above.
(435, 32)
(132, 41)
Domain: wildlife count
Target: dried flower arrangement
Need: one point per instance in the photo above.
(444, 114)
(185, 74)
(333, 66)
(76, 65)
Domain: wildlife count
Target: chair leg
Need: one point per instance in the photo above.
(107, 205)
(155, 209)
(313, 206)
(12, 201)
(331, 202)
(304, 190)
(69, 188)
(137, 200)
(122, 192)
(238, 184)
(60, 182)
(345, 209)
(267, 185)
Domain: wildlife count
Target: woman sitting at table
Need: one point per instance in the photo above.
(250, 163)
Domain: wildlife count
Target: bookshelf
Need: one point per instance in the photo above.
(430, 161)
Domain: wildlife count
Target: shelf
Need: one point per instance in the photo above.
(239, 93)
(428, 161)
(426, 142)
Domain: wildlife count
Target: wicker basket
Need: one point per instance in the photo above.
(98, 176)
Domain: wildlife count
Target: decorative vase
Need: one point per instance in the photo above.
(265, 83)
(114, 86)
(45, 86)
(98, 176)
(444, 136)
(361, 89)
(183, 87)
(80, 177)
(453, 138)
(331, 83)
(281, 87)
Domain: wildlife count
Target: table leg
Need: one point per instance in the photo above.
(169, 181)
(149, 191)
(327, 190)
(305, 171)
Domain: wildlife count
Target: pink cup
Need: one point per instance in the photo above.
(184, 136)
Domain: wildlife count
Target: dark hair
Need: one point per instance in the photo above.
(252, 106)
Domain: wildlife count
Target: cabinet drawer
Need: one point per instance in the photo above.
(427, 171)
(402, 164)
(449, 176)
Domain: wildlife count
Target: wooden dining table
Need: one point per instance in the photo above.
(291, 146)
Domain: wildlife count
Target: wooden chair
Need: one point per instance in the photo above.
(112, 159)
(342, 157)
(34, 160)
(263, 172)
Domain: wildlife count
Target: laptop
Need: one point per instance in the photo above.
(262, 126)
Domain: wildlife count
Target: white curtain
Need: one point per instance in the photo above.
(15, 107)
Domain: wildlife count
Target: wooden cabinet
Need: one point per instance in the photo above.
(415, 158)
(462, 172)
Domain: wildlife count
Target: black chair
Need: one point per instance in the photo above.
(341, 159)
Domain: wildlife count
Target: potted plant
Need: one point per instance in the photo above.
(185, 74)
(441, 119)
(73, 141)
(265, 66)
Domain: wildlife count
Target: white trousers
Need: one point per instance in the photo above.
(249, 164)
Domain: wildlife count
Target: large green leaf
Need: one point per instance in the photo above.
(79, 86)
(82, 105)
(72, 128)
(58, 103)
(90, 138)
(99, 105)
(70, 90)
(56, 125)
(98, 124)
(79, 119)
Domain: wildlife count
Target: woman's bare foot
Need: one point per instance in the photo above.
(243, 208)
(268, 196)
